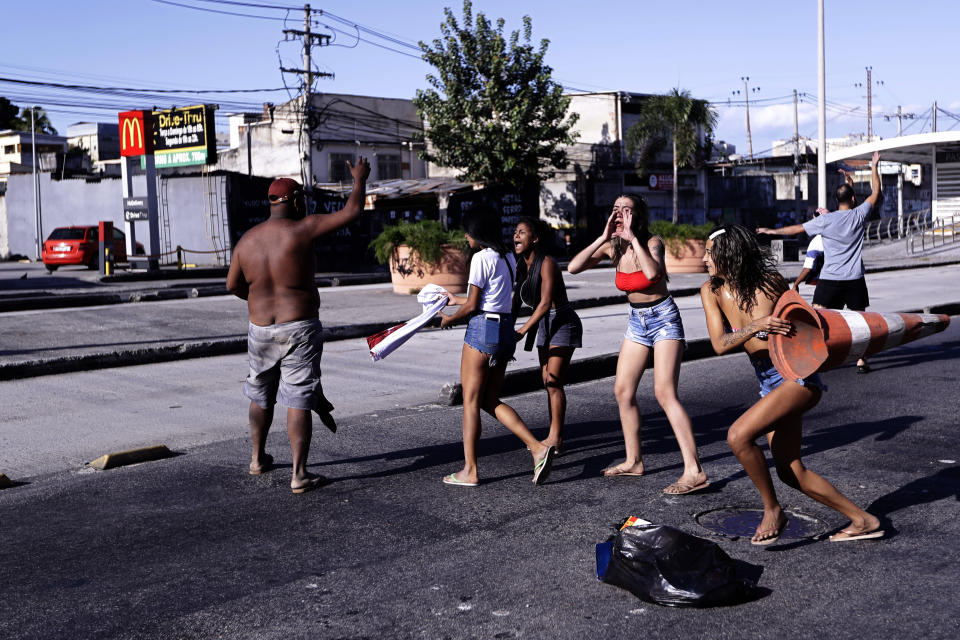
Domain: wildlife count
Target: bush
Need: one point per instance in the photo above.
(675, 236)
(427, 238)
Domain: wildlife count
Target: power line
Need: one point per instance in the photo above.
(139, 90)
(228, 13)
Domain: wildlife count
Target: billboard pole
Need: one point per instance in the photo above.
(822, 113)
(152, 209)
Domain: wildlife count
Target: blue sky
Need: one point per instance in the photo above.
(702, 46)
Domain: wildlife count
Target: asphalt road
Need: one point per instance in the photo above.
(192, 547)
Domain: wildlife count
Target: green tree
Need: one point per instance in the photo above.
(12, 117)
(492, 110)
(677, 117)
(41, 121)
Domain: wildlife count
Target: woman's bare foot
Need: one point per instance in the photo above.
(542, 463)
(556, 443)
(307, 482)
(770, 528)
(463, 478)
(624, 469)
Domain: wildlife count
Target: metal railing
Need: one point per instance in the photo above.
(891, 228)
(934, 234)
(142, 260)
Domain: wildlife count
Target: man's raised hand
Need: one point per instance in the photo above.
(361, 171)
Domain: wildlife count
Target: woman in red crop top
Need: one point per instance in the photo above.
(654, 328)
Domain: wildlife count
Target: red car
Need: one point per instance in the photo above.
(80, 245)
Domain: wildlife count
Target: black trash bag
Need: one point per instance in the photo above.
(668, 566)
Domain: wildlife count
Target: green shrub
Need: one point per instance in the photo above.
(427, 238)
(675, 236)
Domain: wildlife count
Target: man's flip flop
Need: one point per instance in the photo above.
(265, 466)
(452, 479)
(848, 536)
(682, 488)
(542, 469)
(312, 483)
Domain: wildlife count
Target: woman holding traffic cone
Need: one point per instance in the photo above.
(738, 300)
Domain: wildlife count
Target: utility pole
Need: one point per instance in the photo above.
(822, 112)
(310, 40)
(36, 183)
(869, 101)
(796, 159)
(746, 96)
(934, 116)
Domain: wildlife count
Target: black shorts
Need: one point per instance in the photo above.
(835, 294)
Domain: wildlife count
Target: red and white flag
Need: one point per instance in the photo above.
(433, 297)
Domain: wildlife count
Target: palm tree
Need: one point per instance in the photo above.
(677, 117)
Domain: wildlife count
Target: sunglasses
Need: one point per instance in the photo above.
(274, 199)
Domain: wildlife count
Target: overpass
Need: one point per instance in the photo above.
(940, 150)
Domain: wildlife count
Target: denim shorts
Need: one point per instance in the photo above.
(649, 325)
(492, 333)
(284, 361)
(566, 330)
(770, 378)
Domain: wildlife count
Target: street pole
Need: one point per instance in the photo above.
(308, 184)
(934, 116)
(869, 105)
(796, 158)
(822, 112)
(899, 178)
(36, 182)
(746, 95)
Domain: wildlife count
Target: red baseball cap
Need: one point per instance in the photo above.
(284, 189)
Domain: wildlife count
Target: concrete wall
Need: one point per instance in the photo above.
(62, 203)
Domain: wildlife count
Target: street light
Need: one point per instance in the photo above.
(36, 182)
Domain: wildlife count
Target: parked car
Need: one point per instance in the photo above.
(80, 245)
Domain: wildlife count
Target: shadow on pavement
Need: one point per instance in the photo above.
(13, 352)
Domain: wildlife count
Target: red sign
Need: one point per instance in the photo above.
(136, 133)
(661, 181)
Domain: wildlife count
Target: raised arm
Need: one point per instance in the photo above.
(874, 180)
(319, 225)
(782, 231)
(597, 251)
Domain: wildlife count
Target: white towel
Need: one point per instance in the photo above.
(433, 298)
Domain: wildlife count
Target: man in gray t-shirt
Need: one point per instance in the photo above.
(841, 280)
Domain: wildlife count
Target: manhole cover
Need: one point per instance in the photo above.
(741, 522)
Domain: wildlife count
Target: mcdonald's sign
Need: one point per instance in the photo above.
(136, 133)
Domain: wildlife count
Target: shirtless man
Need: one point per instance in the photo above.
(272, 269)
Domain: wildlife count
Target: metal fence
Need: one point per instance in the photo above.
(933, 234)
(892, 228)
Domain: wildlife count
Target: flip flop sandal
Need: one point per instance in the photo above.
(452, 479)
(542, 469)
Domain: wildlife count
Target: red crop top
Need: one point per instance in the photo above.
(635, 281)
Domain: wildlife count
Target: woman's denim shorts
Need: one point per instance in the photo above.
(770, 378)
(492, 333)
(649, 325)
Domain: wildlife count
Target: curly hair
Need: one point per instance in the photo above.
(640, 226)
(744, 266)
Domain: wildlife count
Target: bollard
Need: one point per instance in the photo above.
(107, 261)
(824, 338)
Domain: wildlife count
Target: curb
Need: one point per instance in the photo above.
(592, 368)
(131, 456)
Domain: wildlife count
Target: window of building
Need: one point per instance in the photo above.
(9, 149)
(338, 167)
(388, 166)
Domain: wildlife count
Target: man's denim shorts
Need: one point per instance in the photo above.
(770, 378)
(650, 325)
(284, 364)
(492, 333)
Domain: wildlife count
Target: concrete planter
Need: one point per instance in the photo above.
(686, 256)
(409, 274)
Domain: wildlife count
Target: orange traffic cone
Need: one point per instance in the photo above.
(824, 339)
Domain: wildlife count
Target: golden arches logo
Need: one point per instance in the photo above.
(132, 133)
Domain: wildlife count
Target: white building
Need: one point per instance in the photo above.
(16, 151)
(274, 142)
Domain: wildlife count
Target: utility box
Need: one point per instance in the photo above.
(785, 250)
